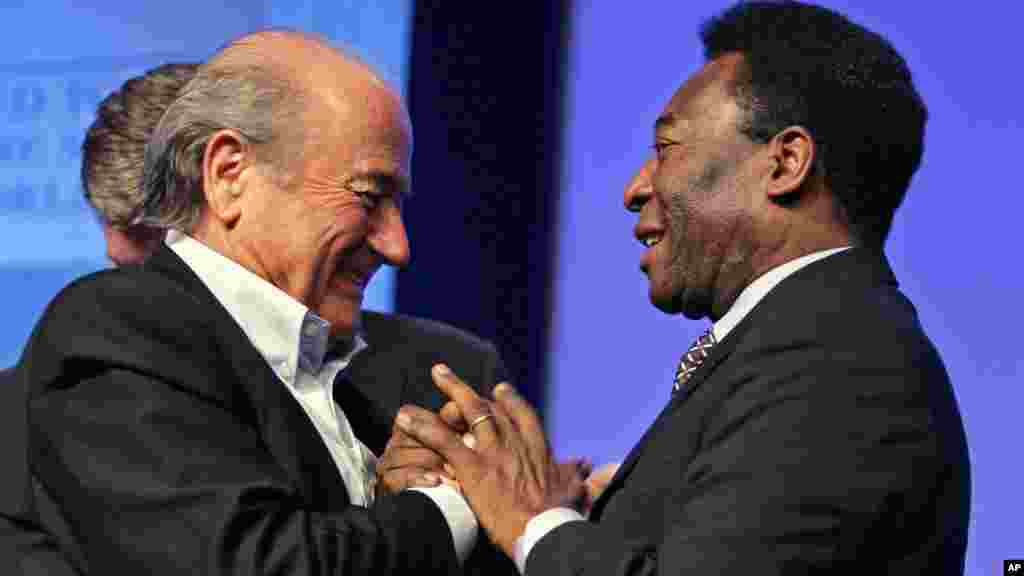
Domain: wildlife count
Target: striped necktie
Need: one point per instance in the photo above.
(692, 360)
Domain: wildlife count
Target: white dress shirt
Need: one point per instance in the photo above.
(541, 524)
(294, 342)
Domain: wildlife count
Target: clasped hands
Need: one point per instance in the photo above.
(502, 464)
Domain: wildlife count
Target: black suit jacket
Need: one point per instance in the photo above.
(26, 547)
(820, 435)
(160, 442)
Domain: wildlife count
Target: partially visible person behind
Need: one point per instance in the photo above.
(113, 154)
(112, 165)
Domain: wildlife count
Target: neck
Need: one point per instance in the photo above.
(216, 237)
(212, 236)
(772, 256)
(802, 247)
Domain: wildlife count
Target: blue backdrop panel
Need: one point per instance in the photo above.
(954, 246)
(59, 58)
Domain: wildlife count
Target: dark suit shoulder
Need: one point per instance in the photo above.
(820, 435)
(836, 361)
(410, 346)
(132, 318)
(835, 319)
(127, 296)
(422, 334)
(140, 284)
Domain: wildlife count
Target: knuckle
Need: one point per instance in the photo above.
(478, 408)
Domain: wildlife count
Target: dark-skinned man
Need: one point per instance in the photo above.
(813, 427)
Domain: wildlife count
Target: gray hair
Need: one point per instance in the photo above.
(262, 103)
(115, 144)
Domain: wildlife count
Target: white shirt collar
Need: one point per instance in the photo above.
(288, 335)
(760, 288)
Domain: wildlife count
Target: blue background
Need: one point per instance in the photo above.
(954, 246)
(59, 58)
(611, 354)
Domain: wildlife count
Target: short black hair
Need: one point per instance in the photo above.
(804, 65)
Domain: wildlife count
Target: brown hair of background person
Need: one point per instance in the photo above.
(113, 154)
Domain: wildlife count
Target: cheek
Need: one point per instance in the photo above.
(338, 248)
(684, 222)
(346, 232)
(353, 220)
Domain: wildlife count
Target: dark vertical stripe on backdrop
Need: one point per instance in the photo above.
(486, 99)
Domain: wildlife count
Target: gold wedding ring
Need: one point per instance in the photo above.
(479, 420)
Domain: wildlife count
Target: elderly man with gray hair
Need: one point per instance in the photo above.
(219, 409)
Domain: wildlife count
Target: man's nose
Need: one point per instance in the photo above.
(639, 189)
(388, 237)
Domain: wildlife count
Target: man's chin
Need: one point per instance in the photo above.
(678, 302)
(667, 303)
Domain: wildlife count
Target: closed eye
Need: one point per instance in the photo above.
(375, 188)
(369, 190)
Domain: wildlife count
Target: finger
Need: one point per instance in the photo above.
(583, 466)
(411, 458)
(518, 409)
(452, 416)
(604, 474)
(447, 481)
(598, 480)
(577, 494)
(432, 432)
(506, 428)
(426, 480)
(396, 481)
(470, 404)
(448, 470)
(574, 469)
(399, 439)
(525, 419)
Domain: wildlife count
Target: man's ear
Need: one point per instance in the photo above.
(224, 159)
(793, 152)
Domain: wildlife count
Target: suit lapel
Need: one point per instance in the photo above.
(290, 436)
(855, 267)
(375, 388)
(285, 428)
(718, 354)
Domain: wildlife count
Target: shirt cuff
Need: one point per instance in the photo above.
(537, 528)
(459, 516)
